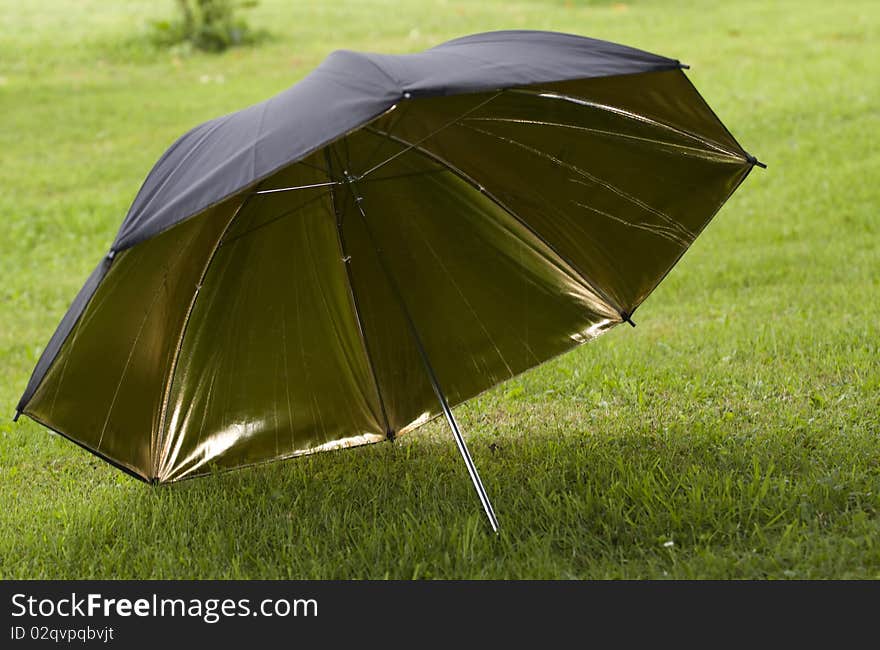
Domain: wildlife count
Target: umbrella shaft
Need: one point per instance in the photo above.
(469, 463)
(432, 376)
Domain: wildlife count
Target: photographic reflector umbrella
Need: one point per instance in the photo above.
(382, 241)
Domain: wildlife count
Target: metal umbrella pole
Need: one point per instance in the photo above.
(432, 376)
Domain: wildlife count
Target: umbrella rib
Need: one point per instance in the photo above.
(679, 148)
(426, 361)
(395, 120)
(296, 187)
(626, 196)
(278, 217)
(624, 113)
(166, 396)
(313, 166)
(394, 177)
(594, 288)
(414, 145)
(340, 238)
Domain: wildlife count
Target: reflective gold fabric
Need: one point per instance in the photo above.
(507, 226)
(273, 363)
(607, 175)
(488, 298)
(106, 386)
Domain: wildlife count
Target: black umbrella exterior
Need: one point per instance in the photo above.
(384, 240)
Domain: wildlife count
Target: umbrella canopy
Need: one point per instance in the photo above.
(387, 238)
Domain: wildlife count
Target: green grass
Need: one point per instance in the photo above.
(739, 421)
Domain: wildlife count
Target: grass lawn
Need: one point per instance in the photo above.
(734, 434)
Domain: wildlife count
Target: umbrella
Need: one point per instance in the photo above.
(382, 241)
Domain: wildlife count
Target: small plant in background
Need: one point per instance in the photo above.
(208, 25)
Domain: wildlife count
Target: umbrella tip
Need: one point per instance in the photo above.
(16, 416)
(754, 161)
(626, 318)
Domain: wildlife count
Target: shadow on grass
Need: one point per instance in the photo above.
(645, 504)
